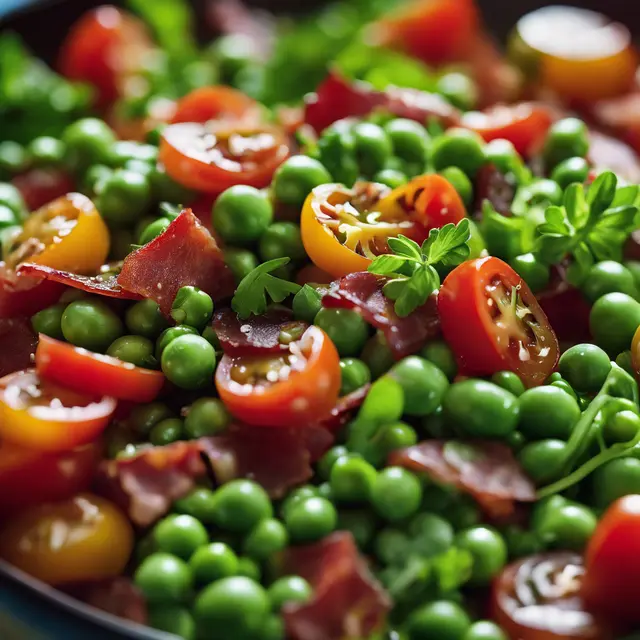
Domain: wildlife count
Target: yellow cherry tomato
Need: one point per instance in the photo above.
(80, 539)
(67, 234)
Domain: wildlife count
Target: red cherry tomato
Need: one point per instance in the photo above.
(214, 157)
(94, 373)
(538, 598)
(23, 295)
(295, 389)
(216, 103)
(493, 322)
(40, 186)
(612, 580)
(524, 125)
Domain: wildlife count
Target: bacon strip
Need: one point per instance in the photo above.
(17, 345)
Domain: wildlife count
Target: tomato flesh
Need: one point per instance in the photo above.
(219, 103)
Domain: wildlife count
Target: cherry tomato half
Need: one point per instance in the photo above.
(612, 579)
(538, 598)
(216, 103)
(40, 414)
(294, 389)
(85, 538)
(493, 322)
(95, 373)
(216, 156)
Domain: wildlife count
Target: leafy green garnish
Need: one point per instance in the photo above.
(251, 295)
(447, 246)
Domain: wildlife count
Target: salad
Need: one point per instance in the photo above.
(329, 329)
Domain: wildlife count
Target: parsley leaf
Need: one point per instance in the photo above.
(448, 245)
(251, 295)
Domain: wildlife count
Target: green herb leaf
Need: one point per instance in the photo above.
(622, 217)
(416, 290)
(575, 204)
(386, 264)
(607, 244)
(448, 245)
(556, 223)
(403, 246)
(629, 195)
(601, 193)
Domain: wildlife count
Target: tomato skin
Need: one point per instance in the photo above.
(40, 186)
(94, 373)
(612, 579)
(480, 346)
(84, 538)
(215, 103)
(28, 419)
(303, 398)
(25, 296)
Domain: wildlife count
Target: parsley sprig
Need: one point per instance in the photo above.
(251, 295)
(412, 268)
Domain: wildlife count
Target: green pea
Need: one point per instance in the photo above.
(167, 431)
(625, 361)
(327, 461)
(124, 151)
(347, 329)
(585, 367)
(440, 354)
(242, 214)
(431, 534)
(396, 494)
(193, 307)
(280, 240)
(180, 535)
(458, 148)
(153, 230)
(166, 189)
(266, 538)
(297, 495)
(459, 89)
(289, 589)
(88, 141)
(460, 182)
(354, 374)
(241, 262)
(488, 550)
(409, 139)
(211, 562)
(397, 435)
(622, 426)
(392, 546)
(393, 178)
(164, 578)
(189, 362)
(360, 523)
(567, 138)
(542, 461)
(352, 479)
(90, 324)
(423, 384)
(479, 408)
(241, 505)
(122, 197)
(547, 412)
(503, 156)
(509, 381)
(532, 271)
(484, 630)
(372, 146)
(521, 542)
(13, 158)
(49, 321)
(440, 619)
(171, 334)
(200, 504)
(306, 303)
(563, 524)
(608, 277)
(613, 320)
(539, 193)
(233, 608)
(464, 513)
(571, 170)
(249, 569)
(143, 417)
(145, 319)
(615, 479)
(377, 355)
(297, 177)
(206, 417)
(310, 519)
(12, 198)
(134, 349)
(46, 151)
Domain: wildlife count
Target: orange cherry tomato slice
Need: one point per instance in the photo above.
(290, 390)
(40, 414)
(85, 538)
(94, 373)
(216, 103)
(214, 157)
(493, 322)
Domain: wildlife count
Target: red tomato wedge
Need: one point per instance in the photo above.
(95, 373)
(493, 322)
(216, 103)
(41, 414)
(295, 389)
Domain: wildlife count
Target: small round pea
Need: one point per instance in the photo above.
(12, 198)
(391, 546)
(542, 461)
(13, 158)
(153, 230)
(459, 89)
(249, 568)
(439, 352)
(298, 494)
(460, 182)
(567, 526)
(458, 148)
(352, 479)
(481, 409)
(193, 307)
(585, 367)
(145, 319)
(488, 550)
(171, 334)
(296, 177)
(165, 189)
(361, 523)
(613, 320)
(280, 240)
(395, 436)
(423, 384)
(409, 139)
(173, 619)
(240, 505)
(49, 321)
(484, 630)
(166, 431)
(90, 324)
(372, 146)
(241, 262)
(289, 589)
(266, 538)
(531, 270)
(46, 151)
(164, 578)
(541, 192)
(396, 494)
(377, 355)
(310, 519)
(503, 156)
(615, 479)
(306, 303)
(143, 417)
(547, 412)
(327, 461)
(206, 417)
(189, 362)
(347, 329)
(571, 170)
(180, 535)
(510, 381)
(123, 197)
(625, 361)
(521, 542)
(233, 608)
(431, 533)
(567, 138)
(391, 177)
(608, 276)
(200, 504)
(354, 374)
(441, 619)
(134, 349)
(87, 141)
(242, 214)
(622, 426)
(211, 562)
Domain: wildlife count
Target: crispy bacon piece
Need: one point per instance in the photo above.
(347, 601)
(345, 408)
(259, 335)
(363, 291)
(494, 186)
(21, 295)
(40, 186)
(486, 470)
(184, 254)
(17, 345)
(338, 98)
